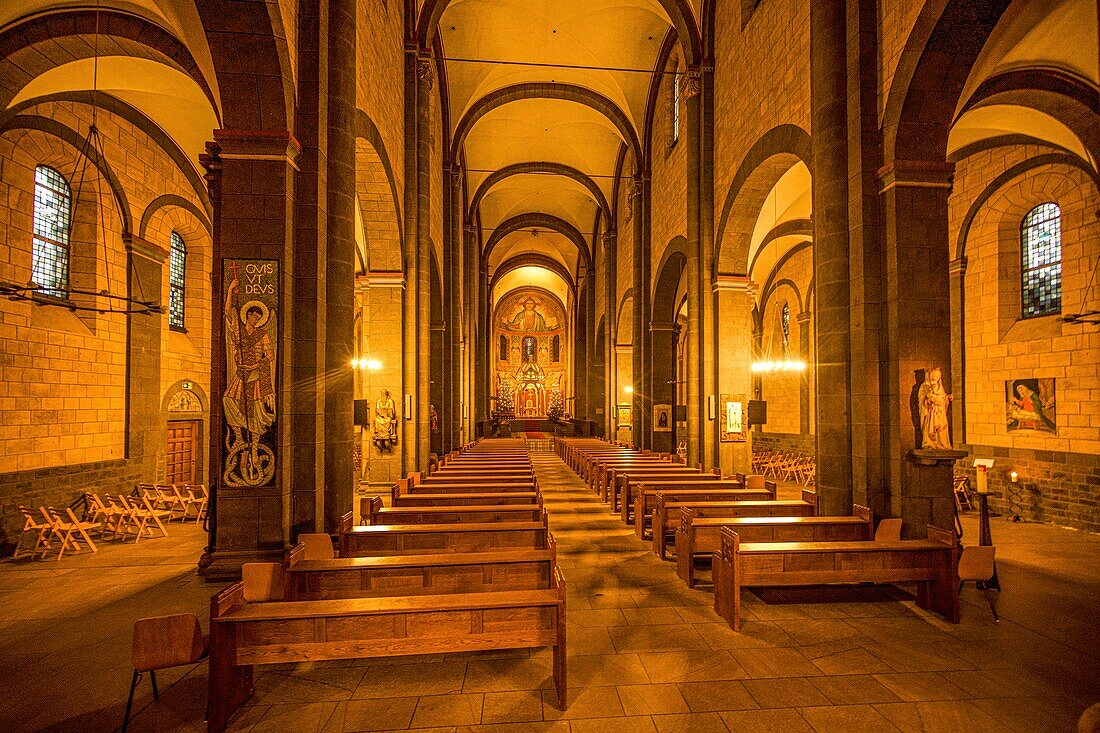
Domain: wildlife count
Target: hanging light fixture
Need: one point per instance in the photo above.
(106, 300)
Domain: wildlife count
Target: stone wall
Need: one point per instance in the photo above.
(996, 345)
(668, 174)
(786, 442)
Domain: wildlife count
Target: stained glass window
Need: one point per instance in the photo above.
(1041, 248)
(786, 323)
(53, 201)
(177, 282)
(530, 346)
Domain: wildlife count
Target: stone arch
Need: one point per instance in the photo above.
(25, 45)
(1006, 178)
(171, 199)
(662, 373)
(367, 130)
(535, 259)
(378, 199)
(544, 90)
(542, 167)
(76, 141)
(680, 13)
(764, 163)
(774, 287)
(546, 221)
(135, 117)
(627, 298)
(930, 76)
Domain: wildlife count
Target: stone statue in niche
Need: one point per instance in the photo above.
(933, 402)
(385, 420)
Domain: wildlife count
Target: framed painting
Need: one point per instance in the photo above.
(662, 418)
(1030, 405)
(733, 418)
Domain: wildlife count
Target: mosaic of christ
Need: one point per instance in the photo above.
(529, 316)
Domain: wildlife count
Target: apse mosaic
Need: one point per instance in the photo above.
(531, 361)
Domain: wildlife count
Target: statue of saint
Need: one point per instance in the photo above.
(933, 400)
(528, 319)
(385, 418)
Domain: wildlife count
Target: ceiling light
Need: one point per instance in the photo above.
(779, 366)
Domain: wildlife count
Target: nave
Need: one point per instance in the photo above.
(645, 652)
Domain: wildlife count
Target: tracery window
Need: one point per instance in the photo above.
(177, 283)
(1041, 249)
(53, 201)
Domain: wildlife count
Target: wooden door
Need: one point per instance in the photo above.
(182, 455)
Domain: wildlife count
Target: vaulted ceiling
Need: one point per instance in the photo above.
(578, 76)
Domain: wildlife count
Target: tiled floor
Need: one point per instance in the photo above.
(646, 653)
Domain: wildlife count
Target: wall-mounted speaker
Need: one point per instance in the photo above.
(758, 412)
(362, 413)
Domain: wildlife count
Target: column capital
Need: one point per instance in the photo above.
(735, 283)
(278, 145)
(141, 247)
(691, 83)
(380, 279)
(425, 70)
(469, 230)
(916, 174)
(672, 326)
(957, 267)
(804, 317)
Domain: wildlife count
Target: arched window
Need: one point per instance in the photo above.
(675, 103)
(555, 348)
(53, 201)
(786, 323)
(1041, 249)
(530, 348)
(177, 281)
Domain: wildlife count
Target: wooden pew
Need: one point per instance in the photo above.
(604, 469)
(474, 479)
(698, 531)
(475, 572)
(409, 539)
(624, 484)
(467, 498)
(246, 634)
(664, 516)
(674, 492)
(378, 514)
(405, 486)
(856, 528)
(931, 563)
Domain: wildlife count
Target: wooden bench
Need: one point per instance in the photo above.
(408, 539)
(246, 634)
(403, 486)
(673, 492)
(625, 482)
(456, 572)
(466, 498)
(378, 514)
(698, 530)
(858, 527)
(603, 471)
(931, 563)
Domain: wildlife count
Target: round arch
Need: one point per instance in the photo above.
(544, 168)
(764, 163)
(544, 90)
(680, 13)
(532, 259)
(546, 221)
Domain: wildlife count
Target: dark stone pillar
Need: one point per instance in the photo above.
(340, 265)
(611, 302)
(663, 377)
(918, 322)
(307, 406)
(482, 358)
(250, 175)
(640, 314)
(828, 98)
(580, 346)
(958, 350)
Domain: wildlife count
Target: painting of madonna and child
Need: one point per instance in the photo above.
(1030, 405)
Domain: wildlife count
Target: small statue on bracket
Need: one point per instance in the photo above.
(385, 421)
(933, 402)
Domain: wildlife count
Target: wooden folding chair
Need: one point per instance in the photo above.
(161, 643)
(60, 529)
(147, 512)
(40, 531)
(962, 498)
(82, 526)
(198, 498)
(169, 499)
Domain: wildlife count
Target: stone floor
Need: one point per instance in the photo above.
(646, 653)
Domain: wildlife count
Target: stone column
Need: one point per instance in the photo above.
(662, 373)
(145, 425)
(453, 272)
(736, 297)
(482, 359)
(828, 90)
(611, 247)
(340, 264)
(639, 323)
(474, 394)
(958, 350)
(918, 322)
(804, 319)
(250, 176)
